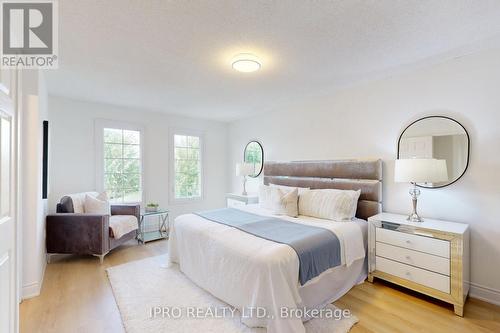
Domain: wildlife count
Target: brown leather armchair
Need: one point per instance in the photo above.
(80, 233)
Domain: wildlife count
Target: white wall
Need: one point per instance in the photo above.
(33, 207)
(72, 151)
(366, 120)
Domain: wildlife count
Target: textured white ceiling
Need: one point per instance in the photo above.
(174, 56)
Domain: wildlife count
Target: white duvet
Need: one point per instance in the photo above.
(249, 272)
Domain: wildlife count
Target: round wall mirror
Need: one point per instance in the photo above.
(437, 137)
(254, 154)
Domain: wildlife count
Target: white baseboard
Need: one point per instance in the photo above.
(33, 289)
(483, 293)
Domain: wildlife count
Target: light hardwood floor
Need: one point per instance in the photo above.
(77, 297)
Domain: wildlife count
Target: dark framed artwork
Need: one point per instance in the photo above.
(45, 160)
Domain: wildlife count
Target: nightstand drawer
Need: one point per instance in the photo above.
(417, 275)
(414, 258)
(433, 246)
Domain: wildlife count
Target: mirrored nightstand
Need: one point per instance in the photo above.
(233, 199)
(431, 257)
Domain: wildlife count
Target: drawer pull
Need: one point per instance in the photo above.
(425, 234)
(408, 258)
(408, 241)
(408, 273)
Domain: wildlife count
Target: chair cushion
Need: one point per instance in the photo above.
(65, 205)
(120, 225)
(96, 206)
(78, 200)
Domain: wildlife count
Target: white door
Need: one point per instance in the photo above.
(416, 147)
(8, 186)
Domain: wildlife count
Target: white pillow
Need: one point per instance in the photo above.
(265, 197)
(331, 204)
(96, 206)
(103, 196)
(291, 188)
(284, 203)
(78, 200)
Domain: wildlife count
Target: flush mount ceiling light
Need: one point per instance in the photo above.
(246, 63)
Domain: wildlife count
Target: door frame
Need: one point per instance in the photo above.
(9, 96)
(16, 91)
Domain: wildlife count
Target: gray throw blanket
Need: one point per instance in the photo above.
(318, 249)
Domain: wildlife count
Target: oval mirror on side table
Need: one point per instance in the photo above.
(437, 137)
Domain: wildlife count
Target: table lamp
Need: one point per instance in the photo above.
(244, 170)
(419, 170)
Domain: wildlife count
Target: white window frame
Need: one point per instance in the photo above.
(187, 132)
(99, 126)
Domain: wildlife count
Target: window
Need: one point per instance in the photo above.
(187, 166)
(121, 166)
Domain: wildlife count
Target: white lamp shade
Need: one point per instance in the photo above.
(420, 170)
(244, 169)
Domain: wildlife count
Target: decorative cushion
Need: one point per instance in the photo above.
(103, 196)
(96, 206)
(284, 202)
(65, 205)
(331, 204)
(290, 188)
(122, 224)
(78, 200)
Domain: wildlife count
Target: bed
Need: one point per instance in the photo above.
(260, 277)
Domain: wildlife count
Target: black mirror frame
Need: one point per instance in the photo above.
(468, 148)
(262, 150)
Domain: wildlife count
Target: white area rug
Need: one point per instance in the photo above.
(142, 286)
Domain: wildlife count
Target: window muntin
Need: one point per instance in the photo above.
(122, 165)
(187, 167)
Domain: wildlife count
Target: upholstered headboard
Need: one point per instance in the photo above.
(364, 175)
